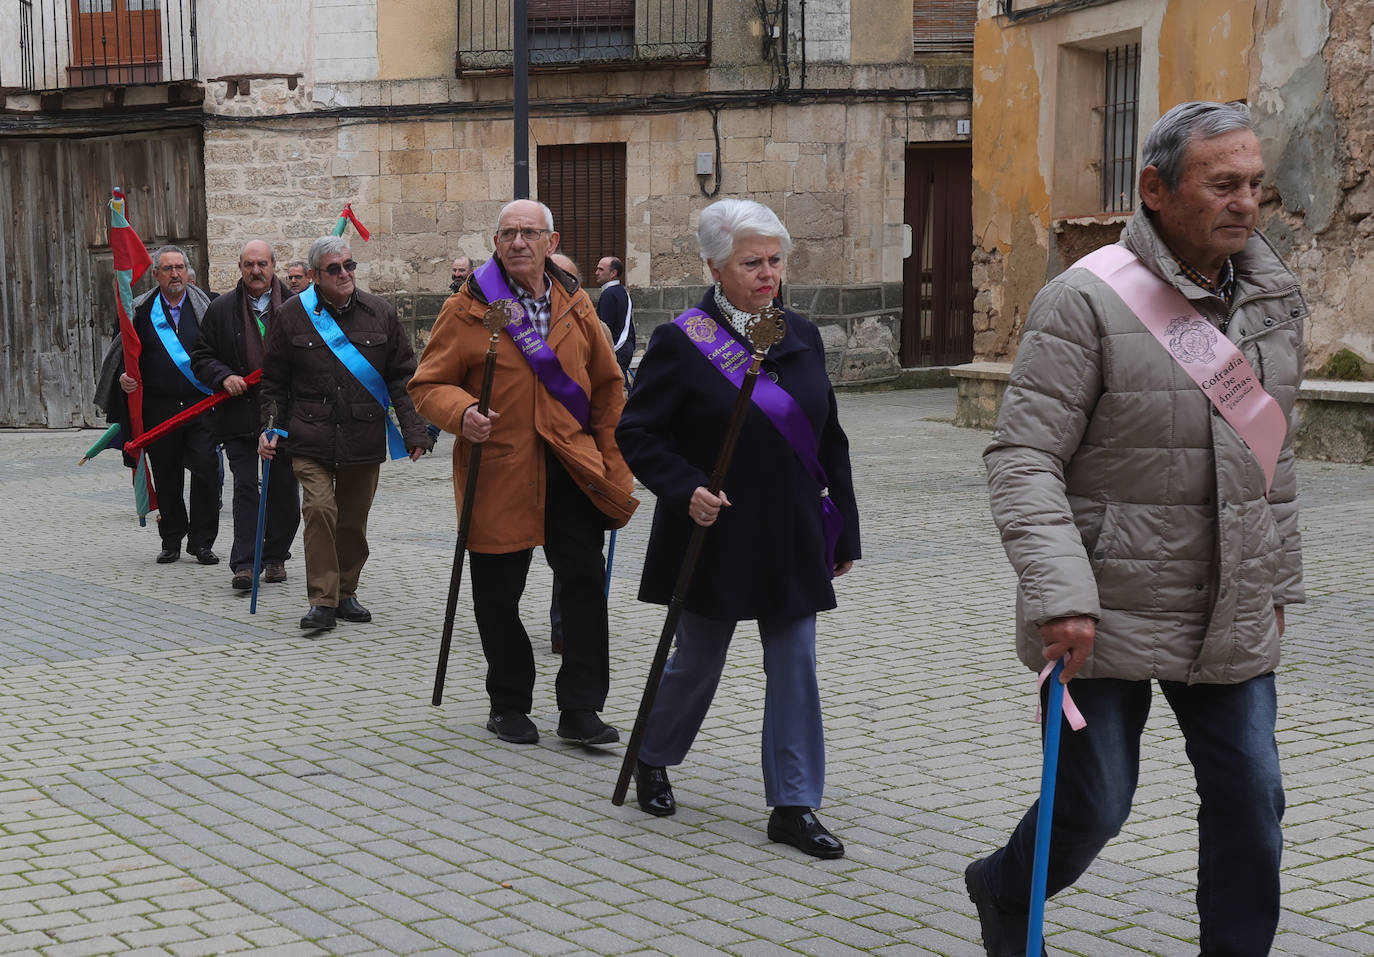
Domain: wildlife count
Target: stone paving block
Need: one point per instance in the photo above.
(227, 742)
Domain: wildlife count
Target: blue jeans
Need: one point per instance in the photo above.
(1229, 735)
(793, 735)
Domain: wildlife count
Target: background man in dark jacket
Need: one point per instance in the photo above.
(615, 310)
(168, 387)
(229, 348)
(337, 429)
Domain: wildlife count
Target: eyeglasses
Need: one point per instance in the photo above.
(529, 234)
(335, 269)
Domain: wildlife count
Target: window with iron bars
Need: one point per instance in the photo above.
(1120, 123)
(563, 33)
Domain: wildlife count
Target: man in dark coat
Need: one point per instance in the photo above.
(317, 347)
(615, 310)
(230, 347)
(168, 326)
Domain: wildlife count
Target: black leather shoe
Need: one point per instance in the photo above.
(318, 618)
(350, 610)
(207, 557)
(514, 727)
(1004, 934)
(804, 831)
(168, 555)
(584, 727)
(653, 790)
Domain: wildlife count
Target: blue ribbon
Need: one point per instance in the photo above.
(175, 350)
(356, 363)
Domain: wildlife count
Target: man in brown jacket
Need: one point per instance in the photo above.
(551, 474)
(1153, 539)
(335, 365)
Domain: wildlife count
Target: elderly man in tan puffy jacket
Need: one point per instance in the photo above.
(1153, 539)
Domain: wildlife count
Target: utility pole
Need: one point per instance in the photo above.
(520, 24)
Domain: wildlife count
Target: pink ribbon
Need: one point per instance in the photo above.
(1071, 712)
(1211, 360)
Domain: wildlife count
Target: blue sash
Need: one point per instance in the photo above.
(354, 361)
(175, 350)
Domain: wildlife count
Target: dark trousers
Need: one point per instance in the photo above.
(283, 516)
(1229, 735)
(190, 448)
(573, 537)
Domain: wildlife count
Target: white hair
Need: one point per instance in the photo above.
(327, 246)
(726, 220)
(548, 213)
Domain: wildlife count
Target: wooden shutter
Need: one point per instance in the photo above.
(943, 26)
(584, 185)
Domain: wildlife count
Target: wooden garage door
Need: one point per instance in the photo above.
(57, 304)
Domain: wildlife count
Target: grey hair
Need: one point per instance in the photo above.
(1168, 139)
(548, 213)
(327, 246)
(163, 250)
(726, 220)
(190, 273)
(298, 262)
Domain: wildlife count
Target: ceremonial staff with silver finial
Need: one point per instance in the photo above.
(496, 319)
(767, 331)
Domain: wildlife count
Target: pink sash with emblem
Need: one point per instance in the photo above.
(1208, 357)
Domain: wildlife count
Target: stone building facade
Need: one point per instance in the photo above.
(1040, 105)
(282, 113)
(426, 157)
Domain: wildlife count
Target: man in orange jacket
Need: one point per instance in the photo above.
(551, 474)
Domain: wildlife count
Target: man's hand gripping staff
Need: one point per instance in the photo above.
(497, 317)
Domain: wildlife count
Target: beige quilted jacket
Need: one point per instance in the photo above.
(1119, 492)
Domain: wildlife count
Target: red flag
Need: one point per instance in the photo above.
(131, 261)
(362, 230)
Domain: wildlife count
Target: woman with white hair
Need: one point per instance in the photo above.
(776, 539)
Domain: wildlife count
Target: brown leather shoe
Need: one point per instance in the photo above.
(242, 580)
(274, 572)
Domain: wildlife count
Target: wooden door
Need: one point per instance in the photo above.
(116, 42)
(57, 301)
(937, 300)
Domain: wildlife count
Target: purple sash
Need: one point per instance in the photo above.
(543, 360)
(730, 358)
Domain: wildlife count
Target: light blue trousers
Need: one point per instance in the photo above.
(793, 738)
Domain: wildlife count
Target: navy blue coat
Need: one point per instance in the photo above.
(765, 556)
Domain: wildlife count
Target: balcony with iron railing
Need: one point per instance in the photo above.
(53, 45)
(565, 34)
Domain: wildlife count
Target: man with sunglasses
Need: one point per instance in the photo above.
(551, 474)
(335, 366)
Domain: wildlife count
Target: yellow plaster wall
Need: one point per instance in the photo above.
(1204, 51)
(879, 31)
(1006, 120)
(415, 39)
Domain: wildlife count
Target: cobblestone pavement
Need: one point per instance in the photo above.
(180, 777)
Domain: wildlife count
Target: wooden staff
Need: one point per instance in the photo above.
(495, 320)
(767, 331)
